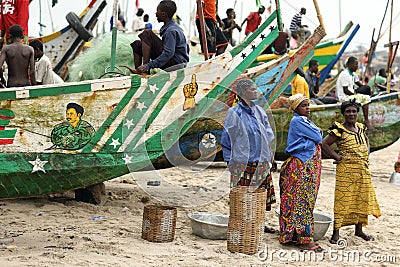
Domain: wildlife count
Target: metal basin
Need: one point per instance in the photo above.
(321, 223)
(395, 178)
(209, 225)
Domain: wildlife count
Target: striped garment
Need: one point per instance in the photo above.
(296, 21)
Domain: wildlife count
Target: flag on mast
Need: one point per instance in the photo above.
(269, 8)
(258, 3)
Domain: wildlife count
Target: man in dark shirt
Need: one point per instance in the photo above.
(171, 52)
(313, 84)
(230, 25)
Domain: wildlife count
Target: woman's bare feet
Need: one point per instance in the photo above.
(359, 232)
(335, 236)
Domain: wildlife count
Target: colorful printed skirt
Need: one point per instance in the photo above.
(256, 174)
(299, 184)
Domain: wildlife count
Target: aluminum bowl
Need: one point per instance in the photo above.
(395, 178)
(321, 223)
(209, 225)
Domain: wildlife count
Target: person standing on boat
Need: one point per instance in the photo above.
(43, 67)
(297, 29)
(300, 177)
(345, 88)
(246, 143)
(138, 21)
(355, 197)
(230, 25)
(147, 23)
(172, 51)
(216, 40)
(20, 60)
(120, 22)
(13, 12)
(253, 21)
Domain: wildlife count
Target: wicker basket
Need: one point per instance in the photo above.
(159, 223)
(246, 220)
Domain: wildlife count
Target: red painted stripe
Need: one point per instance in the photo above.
(6, 117)
(6, 141)
(2, 128)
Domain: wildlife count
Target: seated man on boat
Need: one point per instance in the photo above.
(171, 52)
(299, 31)
(312, 77)
(378, 82)
(280, 45)
(345, 88)
(20, 60)
(43, 67)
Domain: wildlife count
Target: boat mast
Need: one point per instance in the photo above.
(321, 22)
(374, 43)
(51, 16)
(278, 15)
(340, 15)
(114, 35)
(392, 54)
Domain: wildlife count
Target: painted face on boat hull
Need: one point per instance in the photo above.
(73, 117)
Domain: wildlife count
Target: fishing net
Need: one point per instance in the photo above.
(95, 61)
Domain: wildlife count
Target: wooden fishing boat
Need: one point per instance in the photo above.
(63, 45)
(201, 141)
(327, 53)
(126, 123)
(384, 113)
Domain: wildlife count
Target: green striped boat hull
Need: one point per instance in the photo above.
(135, 121)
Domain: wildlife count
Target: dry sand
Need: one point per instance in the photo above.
(58, 231)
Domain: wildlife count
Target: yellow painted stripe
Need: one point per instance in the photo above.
(268, 57)
(51, 36)
(330, 50)
(84, 12)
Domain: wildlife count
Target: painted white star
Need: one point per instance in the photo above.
(127, 159)
(141, 105)
(153, 88)
(115, 143)
(128, 123)
(38, 164)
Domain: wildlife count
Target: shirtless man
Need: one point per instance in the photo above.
(19, 58)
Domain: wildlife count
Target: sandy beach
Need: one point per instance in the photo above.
(59, 231)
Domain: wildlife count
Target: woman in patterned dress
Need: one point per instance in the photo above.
(246, 143)
(355, 197)
(300, 178)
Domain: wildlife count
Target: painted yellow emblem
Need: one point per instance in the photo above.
(189, 91)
